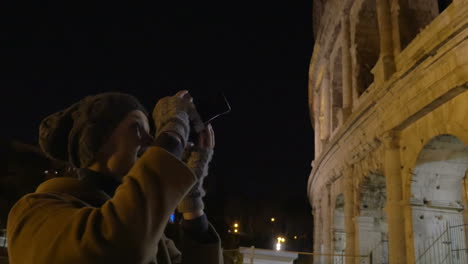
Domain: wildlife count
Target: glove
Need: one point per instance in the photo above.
(197, 159)
(173, 114)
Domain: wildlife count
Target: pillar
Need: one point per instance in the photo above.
(394, 204)
(327, 225)
(350, 228)
(346, 66)
(396, 13)
(317, 230)
(318, 143)
(386, 38)
(325, 108)
(465, 204)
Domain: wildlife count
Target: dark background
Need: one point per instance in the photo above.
(53, 53)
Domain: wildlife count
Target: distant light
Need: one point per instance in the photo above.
(236, 225)
(235, 230)
(283, 240)
(273, 219)
(278, 246)
(279, 239)
(46, 172)
(295, 237)
(229, 231)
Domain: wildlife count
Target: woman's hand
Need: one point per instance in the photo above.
(206, 138)
(173, 115)
(198, 159)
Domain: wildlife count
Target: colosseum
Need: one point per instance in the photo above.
(388, 100)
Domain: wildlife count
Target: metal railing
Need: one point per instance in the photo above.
(447, 247)
(379, 254)
(339, 258)
(3, 240)
(256, 255)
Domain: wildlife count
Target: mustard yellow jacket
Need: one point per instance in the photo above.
(59, 224)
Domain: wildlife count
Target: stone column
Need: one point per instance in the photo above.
(317, 230)
(386, 38)
(396, 11)
(346, 66)
(325, 108)
(349, 225)
(327, 224)
(465, 204)
(394, 208)
(318, 143)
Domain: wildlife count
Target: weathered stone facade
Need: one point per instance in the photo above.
(388, 96)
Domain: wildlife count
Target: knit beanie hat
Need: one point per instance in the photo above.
(77, 133)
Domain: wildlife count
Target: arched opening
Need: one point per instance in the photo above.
(416, 15)
(438, 200)
(367, 44)
(339, 235)
(372, 221)
(337, 91)
(443, 4)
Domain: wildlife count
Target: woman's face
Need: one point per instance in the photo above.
(127, 143)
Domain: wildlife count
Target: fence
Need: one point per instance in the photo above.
(3, 250)
(339, 258)
(379, 254)
(447, 247)
(3, 241)
(254, 255)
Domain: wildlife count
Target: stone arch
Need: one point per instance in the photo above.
(412, 158)
(339, 235)
(371, 220)
(449, 118)
(438, 196)
(367, 46)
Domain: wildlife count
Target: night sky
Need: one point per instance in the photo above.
(257, 52)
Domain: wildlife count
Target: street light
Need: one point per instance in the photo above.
(273, 219)
(236, 225)
(236, 231)
(281, 240)
(278, 246)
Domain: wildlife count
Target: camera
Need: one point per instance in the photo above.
(210, 107)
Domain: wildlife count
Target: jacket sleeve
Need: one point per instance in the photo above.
(194, 251)
(49, 228)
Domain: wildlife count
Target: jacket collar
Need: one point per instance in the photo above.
(99, 180)
(91, 187)
(76, 188)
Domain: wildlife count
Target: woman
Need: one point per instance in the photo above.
(128, 185)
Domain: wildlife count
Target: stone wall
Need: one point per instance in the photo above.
(401, 70)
